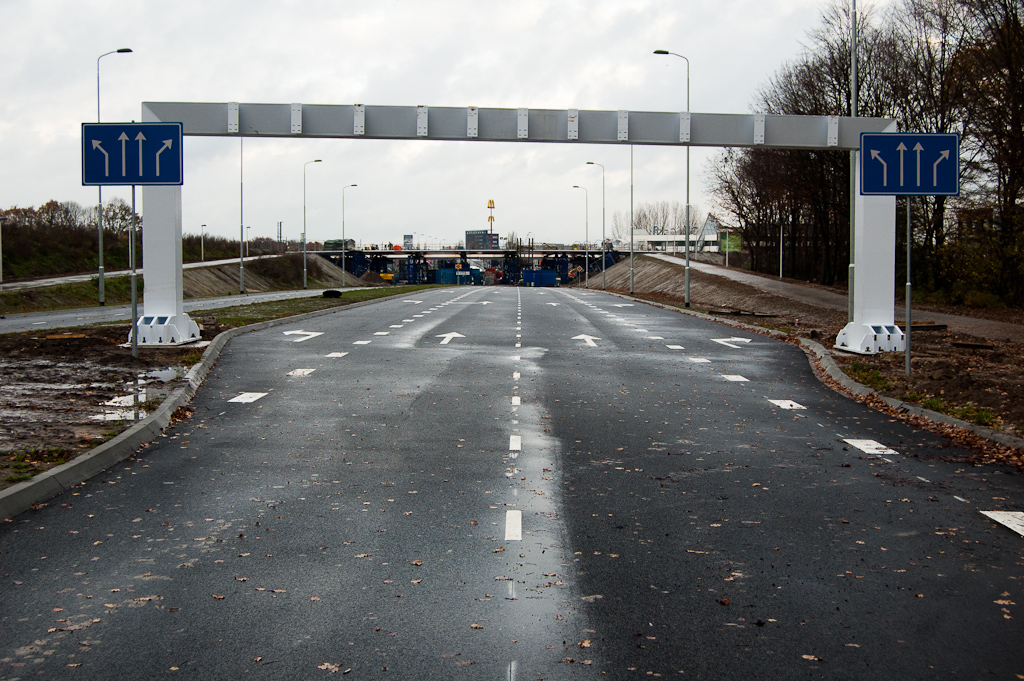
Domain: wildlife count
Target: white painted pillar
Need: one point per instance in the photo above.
(873, 328)
(163, 321)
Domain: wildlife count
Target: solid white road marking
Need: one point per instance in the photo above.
(409, 300)
(787, 404)
(362, 342)
(515, 443)
(1012, 519)
(729, 342)
(307, 334)
(300, 372)
(734, 377)
(337, 354)
(870, 446)
(513, 525)
(675, 347)
(248, 397)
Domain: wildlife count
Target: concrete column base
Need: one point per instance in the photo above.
(171, 330)
(869, 339)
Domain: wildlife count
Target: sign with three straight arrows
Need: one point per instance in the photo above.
(131, 154)
(910, 164)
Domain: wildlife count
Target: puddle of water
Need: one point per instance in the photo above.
(119, 415)
(164, 375)
(127, 400)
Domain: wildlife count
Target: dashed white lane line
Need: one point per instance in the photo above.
(513, 525)
(675, 347)
(923, 479)
(397, 326)
(515, 401)
(300, 372)
(655, 338)
(735, 377)
(248, 397)
(515, 374)
(362, 342)
(515, 443)
(787, 404)
(407, 321)
(381, 333)
(337, 354)
(700, 360)
(1012, 519)
(870, 447)
(961, 499)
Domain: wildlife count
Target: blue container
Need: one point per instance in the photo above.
(547, 278)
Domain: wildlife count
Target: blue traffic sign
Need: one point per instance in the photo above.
(131, 153)
(910, 163)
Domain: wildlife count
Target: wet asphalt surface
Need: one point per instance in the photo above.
(578, 486)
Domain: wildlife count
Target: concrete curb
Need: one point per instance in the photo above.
(49, 484)
(830, 366)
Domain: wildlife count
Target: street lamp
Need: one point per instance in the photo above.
(603, 242)
(586, 233)
(202, 249)
(99, 217)
(687, 173)
(344, 244)
(304, 220)
(3, 221)
(247, 228)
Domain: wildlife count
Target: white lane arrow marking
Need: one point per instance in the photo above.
(729, 342)
(140, 138)
(589, 339)
(885, 167)
(167, 145)
(943, 156)
(124, 168)
(787, 404)
(307, 334)
(870, 446)
(1011, 519)
(96, 144)
(918, 148)
(300, 372)
(448, 337)
(901, 148)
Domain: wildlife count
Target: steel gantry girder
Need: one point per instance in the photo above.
(872, 329)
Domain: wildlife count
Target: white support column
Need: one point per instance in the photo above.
(873, 328)
(163, 320)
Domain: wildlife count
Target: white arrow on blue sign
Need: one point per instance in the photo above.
(910, 163)
(131, 153)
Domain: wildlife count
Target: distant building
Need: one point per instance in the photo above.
(478, 240)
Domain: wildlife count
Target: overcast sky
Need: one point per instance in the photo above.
(551, 54)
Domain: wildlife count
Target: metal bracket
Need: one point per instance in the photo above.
(232, 117)
(574, 124)
(421, 121)
(358, 119)
(684, 126)
(833, 131)
(523, 126)
(296, 119)
(623, 118)
(472, 121)
(758, 128)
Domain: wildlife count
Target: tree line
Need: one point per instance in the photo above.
(932, 66)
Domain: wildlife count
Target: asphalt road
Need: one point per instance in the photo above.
(575, 486)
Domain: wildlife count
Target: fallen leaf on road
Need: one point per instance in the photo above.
(417, 563)
(218, 597)
(332, 668)
(591, 599)
(474, 625)
(811, 657)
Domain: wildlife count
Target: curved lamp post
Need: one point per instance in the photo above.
(99, 217)
(603, 242)
(304, 219)
(344, 244)
(586, 233)
(687, 174)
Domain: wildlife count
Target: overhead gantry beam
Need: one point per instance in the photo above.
(872, 329)
(360, 121)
